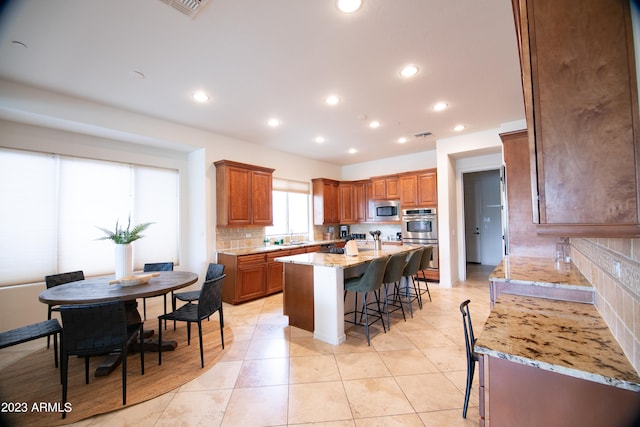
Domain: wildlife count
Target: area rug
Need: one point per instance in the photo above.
(31, 393)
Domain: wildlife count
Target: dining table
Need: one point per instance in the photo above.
(102, 289)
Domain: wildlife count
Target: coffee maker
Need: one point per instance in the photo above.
(344, 231)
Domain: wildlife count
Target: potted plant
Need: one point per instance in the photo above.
(123, 238)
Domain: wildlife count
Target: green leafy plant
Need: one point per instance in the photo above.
(122, 236)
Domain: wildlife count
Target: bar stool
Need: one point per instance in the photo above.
(393, 275)
(424, 264)
(410, 270)
(370, 281)
(472, 357)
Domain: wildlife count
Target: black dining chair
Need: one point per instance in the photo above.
(54, 280)
(157, 266)
(97, 329)
(209, 301)
(472, 357)
(213, 271)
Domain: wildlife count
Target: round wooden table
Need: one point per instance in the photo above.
(96, 290)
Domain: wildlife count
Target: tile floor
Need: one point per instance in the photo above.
(276, 375)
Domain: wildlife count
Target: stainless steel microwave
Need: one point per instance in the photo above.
(385, 210)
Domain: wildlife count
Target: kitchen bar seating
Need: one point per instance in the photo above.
(370, 281)
(472, 357)
(409, 291)
(393, 275)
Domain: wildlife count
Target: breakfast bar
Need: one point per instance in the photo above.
(314, 288)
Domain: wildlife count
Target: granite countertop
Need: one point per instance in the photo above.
(274, 248)
(366, 253)
(559, 336)
(539, 272)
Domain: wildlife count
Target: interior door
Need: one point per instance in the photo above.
(472, 218)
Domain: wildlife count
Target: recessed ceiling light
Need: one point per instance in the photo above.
(459, 128)
(273, 122)
(374, 124)
(409, 71)
(402, 140)
(349, 6)
(200, 96)
(332, 99)
(352, 151)
(319, 139)
(440, 106)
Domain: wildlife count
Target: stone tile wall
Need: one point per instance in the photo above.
(617, 295)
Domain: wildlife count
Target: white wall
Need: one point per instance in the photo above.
(389, 166)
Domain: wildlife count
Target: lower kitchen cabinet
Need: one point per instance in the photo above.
(513, 394)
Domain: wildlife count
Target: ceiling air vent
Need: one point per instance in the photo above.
(423, 134)
(188, 7)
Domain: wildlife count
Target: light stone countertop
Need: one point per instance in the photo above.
(539, 272)
(559, 336)
(274, 248)
(366, 253)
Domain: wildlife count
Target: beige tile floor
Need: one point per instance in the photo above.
(276, 375)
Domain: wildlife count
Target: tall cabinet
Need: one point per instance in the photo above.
(581, 103)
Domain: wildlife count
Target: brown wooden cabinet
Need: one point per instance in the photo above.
(522, 238)
(385, 187)
(352, 202)
(580, 90)
(243, 194)
(418, 189)
(325, 201)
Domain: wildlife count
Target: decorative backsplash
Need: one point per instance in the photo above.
(613, 268)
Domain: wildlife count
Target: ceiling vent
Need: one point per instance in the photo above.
(188, 7)
(424, 134)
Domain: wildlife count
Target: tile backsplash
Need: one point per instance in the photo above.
(613, 268)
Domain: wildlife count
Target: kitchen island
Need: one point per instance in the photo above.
(314, 288)
(553, 363)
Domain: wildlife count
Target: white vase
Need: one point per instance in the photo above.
(123, 261)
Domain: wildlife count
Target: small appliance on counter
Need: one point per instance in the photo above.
(344, 231)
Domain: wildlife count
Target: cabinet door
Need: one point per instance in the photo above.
(360, 201)
(262, 211)
(379, 188)
(239, 197)
(275, 272)
(331, 203)
(251, 278)
(347, 214)
(427, 189)
(408, 191)
(581, 94)
(393, 188)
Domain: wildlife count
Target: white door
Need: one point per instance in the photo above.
(472, 217)
(483, 217)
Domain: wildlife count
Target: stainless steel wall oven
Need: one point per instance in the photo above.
(420, 227)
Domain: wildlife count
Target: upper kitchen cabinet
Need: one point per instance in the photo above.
(352, 202)
(385, 187)
(581, 103)
(326, 201)
(243, 194)
(418, 189)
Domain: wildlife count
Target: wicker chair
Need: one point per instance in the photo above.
(54, 280)
(157, 266)
(96, 329)
(209, 301)
(213, 271)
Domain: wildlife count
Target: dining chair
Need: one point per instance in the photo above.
(54, 280)
(472, 357)
(213, 271)
(97, 329)
(209, 301)
(370, 281)
(157, 266)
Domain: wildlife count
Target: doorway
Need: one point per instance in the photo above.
(483, 217)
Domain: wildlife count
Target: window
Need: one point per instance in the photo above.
(290, 208)
(51, 206)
